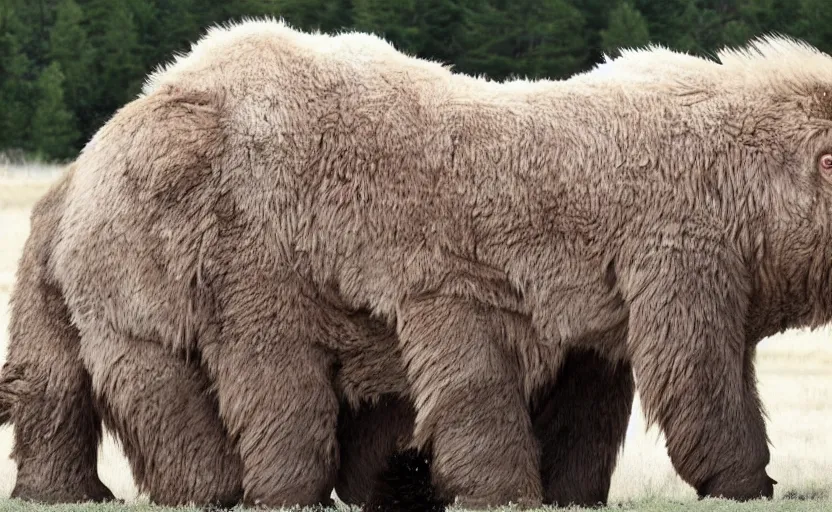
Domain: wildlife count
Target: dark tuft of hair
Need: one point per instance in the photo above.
(405, 485)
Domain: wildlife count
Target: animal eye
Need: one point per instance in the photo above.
(825, 162)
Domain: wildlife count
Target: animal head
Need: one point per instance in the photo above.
(785, 136)
(765, 111)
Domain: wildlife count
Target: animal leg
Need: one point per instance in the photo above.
(274, 382)
(470, 408)
(581, 424)
(56, 427)
(162, 411)
(726, 484)
(691, 363)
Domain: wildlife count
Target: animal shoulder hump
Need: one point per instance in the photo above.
(226, 48)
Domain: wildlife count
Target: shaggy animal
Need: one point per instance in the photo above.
(369, 433)
(159, 405)
(172, 411)
(580, 423)
(270, 182)
(157, 402)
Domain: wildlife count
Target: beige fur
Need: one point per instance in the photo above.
(271, 182)
(160, 406)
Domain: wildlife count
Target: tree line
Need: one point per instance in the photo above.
(67, 65)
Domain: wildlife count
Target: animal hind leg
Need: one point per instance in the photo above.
(274, 382)
(56, 427)
(581, 424)
(162, 411)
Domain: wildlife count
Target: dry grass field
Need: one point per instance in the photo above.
(795, 373)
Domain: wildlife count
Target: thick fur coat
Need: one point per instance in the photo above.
(161, 408)
(270, 183)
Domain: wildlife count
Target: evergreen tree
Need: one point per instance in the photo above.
(36, 19)
(693, 27)
(596, 14)
(736, 33)
(324, 15)
(765, 16)
(163, 27)
(711, 29)
(395, 20)
(533, 38)
(117, 58)
(105, 48)
(441, 28)
(627, 29)
(71, 50)
(814, 23)
(671, 22)
(434, 29)
(15, 87)
(53, 130)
